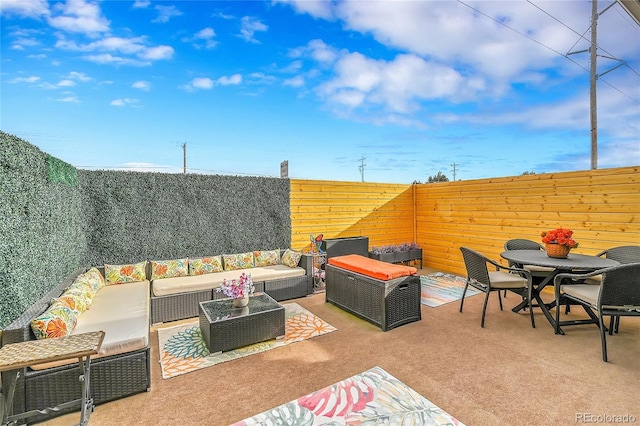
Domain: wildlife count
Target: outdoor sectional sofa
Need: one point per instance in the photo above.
(177, 298)
(125, 312)
(121, 368)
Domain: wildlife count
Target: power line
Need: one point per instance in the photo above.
(546, 47)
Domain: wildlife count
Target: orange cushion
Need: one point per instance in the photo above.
(372, 267)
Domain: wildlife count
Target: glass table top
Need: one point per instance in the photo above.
(223, 309)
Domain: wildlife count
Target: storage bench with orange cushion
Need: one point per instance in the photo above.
(382, 293)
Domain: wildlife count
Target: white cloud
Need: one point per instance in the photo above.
(135, 46)
(141, 4)
(30, 79)
(235, 79)
(27, 9)
(108, 58)
(69, 99)
(142, 85)
(206, 83)
(395, 86)
(140, 166)
(79, 16)
(249, 27)
(79, 76)
(202, 83)
(297, 81)
(66, 83)
(157, 53)
(321, 52)
(317, 8)
(205, 33)
(165, 13)
(123, 102)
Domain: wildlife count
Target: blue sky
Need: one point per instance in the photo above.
(413, 87)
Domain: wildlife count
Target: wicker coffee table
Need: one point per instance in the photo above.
(225, 327)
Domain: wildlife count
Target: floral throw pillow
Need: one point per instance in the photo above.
(291, 258)
(266, 257)
(118, 274)
(93, 277)
(82, 288)
(168, 268)
(233, 262)
(57, 321)
(205, 265)
(77, 303)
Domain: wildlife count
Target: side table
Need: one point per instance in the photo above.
(319, 260)
(15, 356)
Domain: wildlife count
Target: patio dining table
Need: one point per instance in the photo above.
(573, 263)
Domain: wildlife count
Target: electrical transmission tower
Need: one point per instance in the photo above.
(454, 171)
(361, 167)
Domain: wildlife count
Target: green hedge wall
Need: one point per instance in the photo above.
(134, 216)
(55, 219)
(42, 236)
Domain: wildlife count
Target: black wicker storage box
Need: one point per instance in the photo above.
(387, 304)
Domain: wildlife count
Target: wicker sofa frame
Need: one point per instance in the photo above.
(112, 377)
(387, 304)
(178, 306)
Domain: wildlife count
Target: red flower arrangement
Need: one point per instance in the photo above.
(560, 236)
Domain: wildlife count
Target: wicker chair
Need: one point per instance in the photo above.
(624, 255)
(618, 295)
(517, 280)
(538, 273)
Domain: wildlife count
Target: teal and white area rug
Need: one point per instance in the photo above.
(374, 397)
(440, 288)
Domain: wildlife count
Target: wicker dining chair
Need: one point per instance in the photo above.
(517, 280)
(538, 273)
(624, 255)
(618, 295)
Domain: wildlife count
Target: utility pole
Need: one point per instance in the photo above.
(361, 167)
(454, 171)
(184, 159)
(594, 108)
(593, 75)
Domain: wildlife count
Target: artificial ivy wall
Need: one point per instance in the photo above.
(42, 237)
(134, 216)
(55, 219)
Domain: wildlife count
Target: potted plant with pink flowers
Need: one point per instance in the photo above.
(239, 289)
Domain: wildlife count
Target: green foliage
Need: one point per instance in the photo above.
(438, 178)
(134, 216)
(49, 229)
(40, 224)
(59, 171)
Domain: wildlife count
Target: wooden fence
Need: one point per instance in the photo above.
(382, 212)
(601, 206)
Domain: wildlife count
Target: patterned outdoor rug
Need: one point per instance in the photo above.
(183, 350)
(374, 397)
(440, 288)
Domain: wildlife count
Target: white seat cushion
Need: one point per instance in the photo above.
(587, 292)
(167, 286)
(506, 280)
(595, 280)
(123, 312)
(538, 271)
